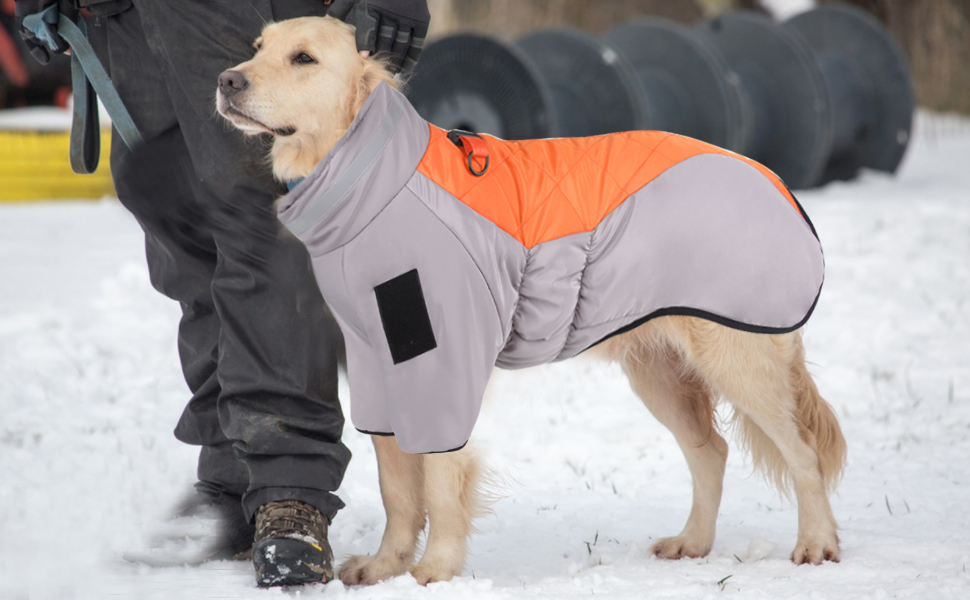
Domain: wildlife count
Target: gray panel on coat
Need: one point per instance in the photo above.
(433, 400)
(710, 234)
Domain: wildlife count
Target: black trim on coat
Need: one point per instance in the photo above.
(702, 314)
(804, 215)
(447, 451)
(380, 433)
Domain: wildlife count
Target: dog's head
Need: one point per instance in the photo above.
(304, 86)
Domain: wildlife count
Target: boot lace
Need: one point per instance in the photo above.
(291, 519)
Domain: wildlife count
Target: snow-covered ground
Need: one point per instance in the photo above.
(90, 389)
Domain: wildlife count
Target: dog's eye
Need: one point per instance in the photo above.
(303, 58)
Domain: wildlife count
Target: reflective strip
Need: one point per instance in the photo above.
(349, 178)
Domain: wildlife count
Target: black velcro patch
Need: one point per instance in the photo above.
(404, 315)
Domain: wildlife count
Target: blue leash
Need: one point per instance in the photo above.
(90, 81)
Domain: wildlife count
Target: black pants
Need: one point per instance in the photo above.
(257, 344)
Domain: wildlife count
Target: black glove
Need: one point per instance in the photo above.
(42, 47)
(395, 27)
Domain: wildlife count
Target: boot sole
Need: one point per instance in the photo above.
(284, 561)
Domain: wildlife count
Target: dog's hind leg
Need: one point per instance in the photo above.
(402, 490)
(451, 489)
(792, 433)
(679, 400)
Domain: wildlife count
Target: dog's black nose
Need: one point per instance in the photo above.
(232, 82)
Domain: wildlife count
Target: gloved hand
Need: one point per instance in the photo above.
(48, 42)
(396, 27)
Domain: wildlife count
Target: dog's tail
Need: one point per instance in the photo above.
(817, 425)
(817, 420)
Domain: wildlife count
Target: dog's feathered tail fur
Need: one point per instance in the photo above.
(726, 361)
(817, 425)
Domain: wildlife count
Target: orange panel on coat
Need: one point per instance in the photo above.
(541, 190)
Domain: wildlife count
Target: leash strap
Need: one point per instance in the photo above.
(85, 122)
(90, 81)
(99, 79)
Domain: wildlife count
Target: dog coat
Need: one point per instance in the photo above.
(436, 275)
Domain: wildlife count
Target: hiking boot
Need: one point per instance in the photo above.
(291, 545)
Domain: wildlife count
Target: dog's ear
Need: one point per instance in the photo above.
(374, 71)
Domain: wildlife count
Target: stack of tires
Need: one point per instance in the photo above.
(816, 98)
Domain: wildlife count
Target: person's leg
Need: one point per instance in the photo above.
(180, 248)
(156, 186)
(277, 366)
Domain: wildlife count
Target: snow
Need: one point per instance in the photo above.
(38, 118)
(45, 118)
(784, 9)
(90, 389)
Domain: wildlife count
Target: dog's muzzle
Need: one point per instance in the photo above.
(232, 82)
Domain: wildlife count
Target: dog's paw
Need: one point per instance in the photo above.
(815, 551)
(681, 546)
(368, 570)
(433, 571)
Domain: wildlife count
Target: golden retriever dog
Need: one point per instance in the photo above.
(304, 86)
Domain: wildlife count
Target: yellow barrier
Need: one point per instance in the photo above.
(35, 165)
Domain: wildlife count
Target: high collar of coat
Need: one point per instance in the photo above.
(363, 172)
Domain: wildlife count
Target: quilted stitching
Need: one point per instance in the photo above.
(540, 190)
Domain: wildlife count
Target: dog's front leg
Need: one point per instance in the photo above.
(402, 490)
(451, 484)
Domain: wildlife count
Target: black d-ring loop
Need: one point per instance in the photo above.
(472, 169)
(456, 135)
